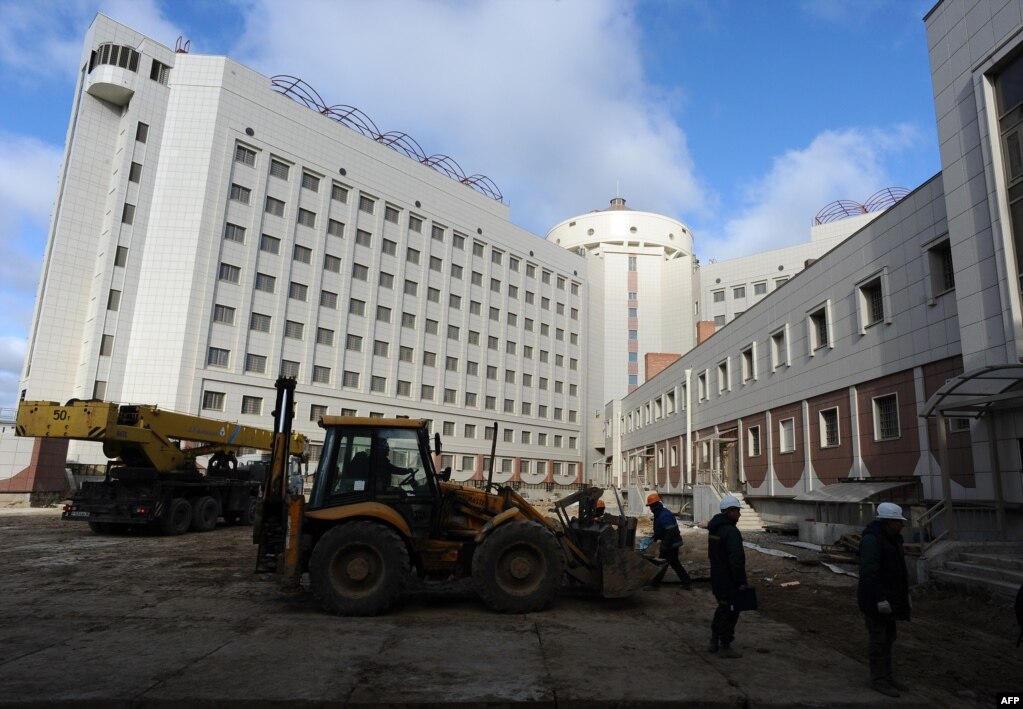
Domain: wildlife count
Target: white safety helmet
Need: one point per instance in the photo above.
(729, 502)
(889, 510)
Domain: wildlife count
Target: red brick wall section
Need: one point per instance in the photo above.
(45, 472)
(899, 456)
(831, 463)
(788, 467)
(755, 467)
(656, 362)
(960, 451)
(704, 329)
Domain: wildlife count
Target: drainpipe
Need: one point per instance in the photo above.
(689, 427)
(996, 472)
(946, 483)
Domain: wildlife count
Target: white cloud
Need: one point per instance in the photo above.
(847, 164)
(548, 99)
(12, 356)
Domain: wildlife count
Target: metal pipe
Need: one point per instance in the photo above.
(996, 472)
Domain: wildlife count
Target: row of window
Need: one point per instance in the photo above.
(367, 204)
(126, 58)
(873, 308)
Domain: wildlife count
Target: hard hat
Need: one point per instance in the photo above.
(889, 510)
(729, 502)
(652, 498)
(600, 504)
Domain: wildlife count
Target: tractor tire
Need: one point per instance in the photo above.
(205, 512)
(359, 568)
(518, 568)
(177, 518)
(246, 516)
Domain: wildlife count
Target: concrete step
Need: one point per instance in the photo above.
(975, 568)
(996, 586)
(1001, 561)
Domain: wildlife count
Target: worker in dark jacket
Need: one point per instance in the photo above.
(883, 592)
(667, 532)
(727, 575)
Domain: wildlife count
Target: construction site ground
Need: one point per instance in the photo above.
(149, 621)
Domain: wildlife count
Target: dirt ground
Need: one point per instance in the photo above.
(959, 650)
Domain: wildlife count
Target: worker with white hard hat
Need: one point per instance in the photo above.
(883, 593)
(727, 575)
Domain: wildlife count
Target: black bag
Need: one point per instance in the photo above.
(745, 599)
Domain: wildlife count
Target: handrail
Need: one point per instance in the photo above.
(969, 519)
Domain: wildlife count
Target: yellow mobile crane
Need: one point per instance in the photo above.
(152, 478)
(380, 508)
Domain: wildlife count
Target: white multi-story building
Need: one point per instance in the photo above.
(211, 231)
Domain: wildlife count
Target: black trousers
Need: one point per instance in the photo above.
(880, 640)
(722, 627)
(672, 557)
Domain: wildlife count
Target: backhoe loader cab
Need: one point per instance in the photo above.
(379, 511)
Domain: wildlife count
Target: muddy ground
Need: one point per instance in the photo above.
(959, 650)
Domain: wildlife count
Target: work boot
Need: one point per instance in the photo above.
(729, 653)
(712, 646)
(885, 687)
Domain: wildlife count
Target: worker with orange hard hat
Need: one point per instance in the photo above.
(666, 530)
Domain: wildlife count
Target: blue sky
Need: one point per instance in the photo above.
(740, 118)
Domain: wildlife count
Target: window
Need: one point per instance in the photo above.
(363, 238)
(411, 288)
(213, 400)
(106, 346)
(405, 354)
(159, 73)
(701, 381)
(408, 320)
(753, 441)
(723, 379)
(404, 388)
(289, 368)
(367, 205)
(221, 314)
(350, 380)
(339, 193)
(787, 435)
(135, 175)
(381, 348)
(495, 314)
(779, 348)
(259, 322)
(477, 278)
(718, 296)
(475, 307)
(383, 313)
(412, 256)
(389, 247)
(353, 343)
(472, 368)
(331, 263)
(431, 326)
(356, 307)
(829, 428)
(495, 285)
(748, 364)
(229, 273)
(632, 263)
(238, 193)
(269, 244)
(321, 375)
(415, 224)
(297, 291)
(128, 214)
(886, 418)
(310, 182)
(477, 248)
(391, 214)
(335, 228)
(328, 299)
(738, 292)
(817, 325)
(760, 288)
(324, 336)
(779, 282)
(458, 241)
(360, 272)
(217, 357)
(255, 363)
(302, 254)
(426, 393)
(386, 280)
(279, 169)
(307, 218)
(871, 302)
(449, 396)
(293, 329)
(113, 299)
(233, 232)
(246, 156)
(451, 364)
(939, 265)
(274, 206)
(317, 411)
(121, 256)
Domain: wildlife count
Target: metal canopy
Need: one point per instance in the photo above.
(975, 393)
(848, 492)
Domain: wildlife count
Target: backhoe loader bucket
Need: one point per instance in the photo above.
(623, 571)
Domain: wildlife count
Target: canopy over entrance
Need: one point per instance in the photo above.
(975, 393)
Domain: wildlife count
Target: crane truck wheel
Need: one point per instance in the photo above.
(359, 568)
(518, 567)
(177, 518)
(205, 511)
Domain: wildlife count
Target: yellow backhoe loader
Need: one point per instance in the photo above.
(379, 511)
